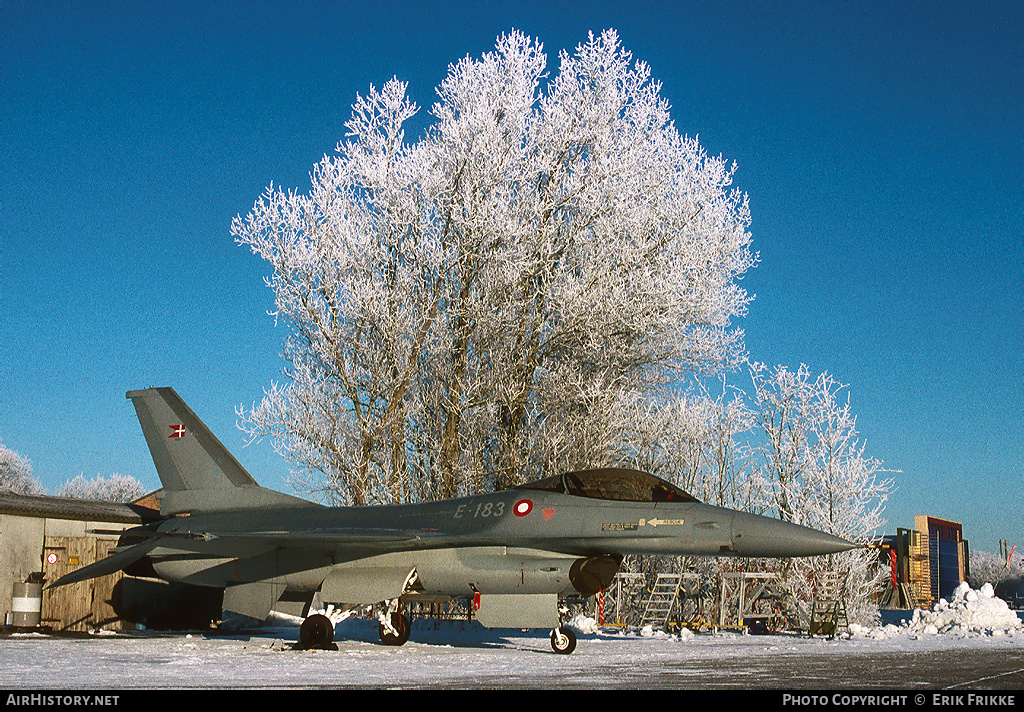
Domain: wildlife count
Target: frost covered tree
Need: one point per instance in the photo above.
(815, 473)
(987, 567)
(814, 469)
(116, 488)
(697, 441)
(694, 440)
(16, 473)
(476, 307)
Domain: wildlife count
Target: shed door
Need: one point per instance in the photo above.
(81, 606)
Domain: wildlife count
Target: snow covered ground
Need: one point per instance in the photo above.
(464, 655)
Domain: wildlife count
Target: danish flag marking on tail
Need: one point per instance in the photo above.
(179, 431)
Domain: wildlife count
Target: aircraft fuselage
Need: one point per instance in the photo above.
(299, 546)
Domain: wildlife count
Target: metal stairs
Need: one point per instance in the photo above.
(663, 600)
(828, 611)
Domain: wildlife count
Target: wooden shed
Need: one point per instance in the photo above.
(42, 538)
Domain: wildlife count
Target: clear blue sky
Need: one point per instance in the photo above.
(880, 144)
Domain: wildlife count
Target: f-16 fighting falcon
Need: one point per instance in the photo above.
(512, 552)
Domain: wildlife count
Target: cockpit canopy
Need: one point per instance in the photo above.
(612, 483)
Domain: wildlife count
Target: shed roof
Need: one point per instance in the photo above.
(80, 509)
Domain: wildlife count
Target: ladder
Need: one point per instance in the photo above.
(828, 611)
(908, 595)
(662, 601)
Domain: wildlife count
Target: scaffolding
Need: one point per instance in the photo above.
(902, 586)
(750, 601)
(755, 602)
(926, 563)
(615, 602)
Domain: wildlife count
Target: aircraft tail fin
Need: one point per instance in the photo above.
(197, 472)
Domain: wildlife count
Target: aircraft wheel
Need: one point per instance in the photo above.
(563, 640)
(317, 631)
(401, 624)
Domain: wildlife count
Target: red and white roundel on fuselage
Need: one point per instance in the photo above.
(522, 507)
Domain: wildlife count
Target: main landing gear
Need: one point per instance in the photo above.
(317, 632)
(394, 627)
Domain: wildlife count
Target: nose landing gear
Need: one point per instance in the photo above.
(563, 640)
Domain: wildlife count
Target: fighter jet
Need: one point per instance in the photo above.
(511, 553)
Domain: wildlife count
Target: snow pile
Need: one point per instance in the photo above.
(879, 633)
(584, 624)
(969, 611)
(649, 631)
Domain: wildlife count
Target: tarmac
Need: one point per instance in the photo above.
(773, 665)
(943, 670)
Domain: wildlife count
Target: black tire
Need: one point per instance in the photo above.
(563, 640)
(317, 631)
(401, 624)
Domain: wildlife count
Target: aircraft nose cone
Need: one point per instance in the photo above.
(754, 535)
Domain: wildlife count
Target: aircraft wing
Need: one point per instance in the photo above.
(207, 543)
